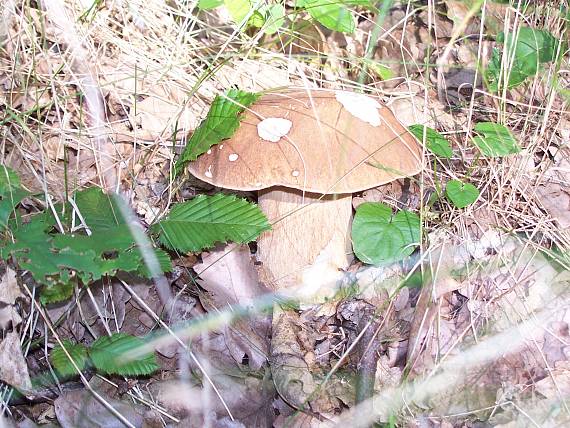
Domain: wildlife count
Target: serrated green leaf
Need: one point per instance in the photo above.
(379, 237)
(58, 292)
(109, 354)
(205, 220)
(461, 194)
(221, 122)
(61, 362)
(54, 259)
(163, 261)
(435, 142)
(330, 13)
(209, 4)
(495, 140)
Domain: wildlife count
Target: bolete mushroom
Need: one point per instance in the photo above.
(306, 152)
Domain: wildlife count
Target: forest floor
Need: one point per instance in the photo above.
(470, 330)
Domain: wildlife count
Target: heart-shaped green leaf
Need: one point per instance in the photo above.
(461, 194)
(435, 142)
(332, 14)
(379, 237)
(523, 52)
(495, 140)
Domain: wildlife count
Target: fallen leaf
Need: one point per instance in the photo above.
(13, 367)
(229, 276)
(80, 409)
(9, 288)
(556, 384)
(9, 314)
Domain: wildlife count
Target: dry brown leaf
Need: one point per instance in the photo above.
(9, 288)
(556, 200)
(80, 409)
(13, 367)
(255, 76)
(9, 315)
(556, 384)
(228, 274)
(162, 113)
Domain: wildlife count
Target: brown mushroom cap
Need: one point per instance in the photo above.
(327, 150)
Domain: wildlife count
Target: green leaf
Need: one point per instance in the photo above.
(11, 194)
(274, 17)
(109, 355)
(461, 194)
(61, 361)
(221, 122)
(9, 180)
(32, 249)
(331, 13)
(163, 261)
(8, 204)
(379, 237)
(257, 19)
(495, 140)
(99, 210)
(435, 142)
(59, 261)
(205, 220)
(238, 9)
(209, 4)
(56, 293)
(382, 70)
(527, 49)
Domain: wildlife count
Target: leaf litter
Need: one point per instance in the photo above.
(485, 283)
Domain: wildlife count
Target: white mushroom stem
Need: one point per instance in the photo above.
(309, 244)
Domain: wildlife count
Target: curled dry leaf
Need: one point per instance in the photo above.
(230, 278)
(228, 274)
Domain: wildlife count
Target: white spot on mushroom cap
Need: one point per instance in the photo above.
(221, 146)
(233, 157)
(273, 128)
(208, 172)
(362, 106)
(295, 173)
(209, 152)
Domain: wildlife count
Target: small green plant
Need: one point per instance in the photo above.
(461, 194)
(495, 140)
(80, 243)
(60, 256)
(435, 142)
(380, 237)
(335, 15)
(108, 355)
(524, 51)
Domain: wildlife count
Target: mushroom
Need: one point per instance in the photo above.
(306, 152)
